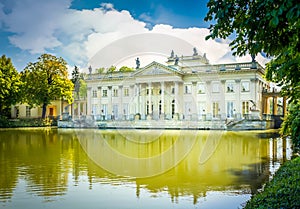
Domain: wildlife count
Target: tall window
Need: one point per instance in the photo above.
(115, 92)
(173, 90)
(230, 111)
(215, 109)
(126, 92)
(201, 108)
(28, 111)
(245, 107)
(94, 93)
(104, 93)
(94, 109)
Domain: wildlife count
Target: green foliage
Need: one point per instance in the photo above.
(291, 125)
(46, 80)
(126, 69)
(83, 89)
(75, 75)
(269, 26)
(10, 85)
(283, 191)
(112, 69)
(76, 80)
(272, 27)
(27, 122)
(100, 70)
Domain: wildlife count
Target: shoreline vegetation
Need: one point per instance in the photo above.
(282, 191)
(27, 122)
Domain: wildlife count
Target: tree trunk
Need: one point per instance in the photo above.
(44, 110)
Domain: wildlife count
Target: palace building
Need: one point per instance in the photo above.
(185, 88)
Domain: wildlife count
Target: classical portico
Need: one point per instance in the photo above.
(158, 91)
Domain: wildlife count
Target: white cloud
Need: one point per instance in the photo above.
(77, 35)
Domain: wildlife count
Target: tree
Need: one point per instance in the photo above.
(76, 80)
(259, 26)
(126, 69)
(100, 70)
(10, 85)
(46, 80)
(112, 69)
(83, 88)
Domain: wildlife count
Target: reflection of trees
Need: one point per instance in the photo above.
(8, 170)
(46, 158)
(39, 157)
(237, 160)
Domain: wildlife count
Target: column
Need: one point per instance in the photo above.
(89, 101)
(120, 112)
(194, 101)
(208, 97)
(275, 107)
(150, 97)
(133, 102)
(99, 95)
(141, 102)
(238, 104)
(109, 95)
(162, 87)
(223, 105)
(284, 106)
(176, 97)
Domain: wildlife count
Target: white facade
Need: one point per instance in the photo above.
(187, 89)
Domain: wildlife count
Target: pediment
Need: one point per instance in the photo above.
(156, 69)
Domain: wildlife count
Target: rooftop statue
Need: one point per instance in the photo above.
(90, 69)
(195, 51)
(172, 54)
(176, 60)
(137, 62)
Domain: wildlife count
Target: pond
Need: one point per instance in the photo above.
(89, 168)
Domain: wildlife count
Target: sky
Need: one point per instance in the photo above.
(103, 33)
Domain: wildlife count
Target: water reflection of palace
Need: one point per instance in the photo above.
(179, 162)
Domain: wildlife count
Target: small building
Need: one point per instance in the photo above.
(55, 109)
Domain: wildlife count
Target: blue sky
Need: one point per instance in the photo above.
(178, 13)
(77, 29)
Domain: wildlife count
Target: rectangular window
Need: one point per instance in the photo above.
(126, 109)
(115, 92)
(215, 87)
(188, 89)
(215, 109)
(201, 88)
(230, 110)
(229, 87)
(245, 86)
(94, 109)
(126, 92)
(28, 111)
(94, 93)
(201, 108)
(104, 93)
(172, 90)
(245, 107)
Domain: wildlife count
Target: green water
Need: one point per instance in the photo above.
(50, 168)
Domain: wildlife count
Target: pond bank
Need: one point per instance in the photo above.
(282, 191)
